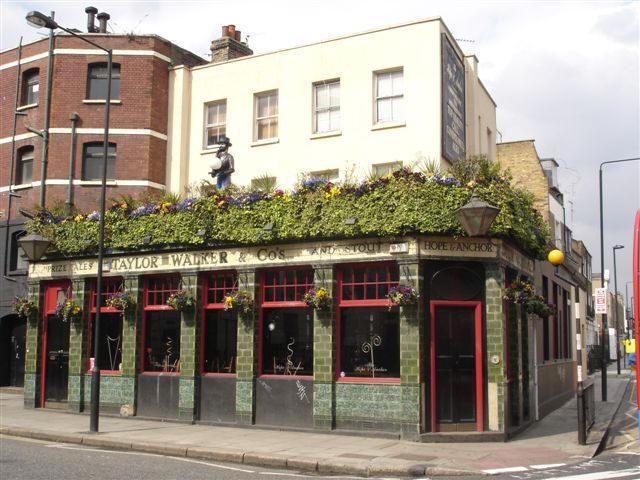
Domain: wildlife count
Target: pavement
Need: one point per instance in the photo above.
(548, 443)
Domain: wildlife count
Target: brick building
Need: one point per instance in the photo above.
(71, 178)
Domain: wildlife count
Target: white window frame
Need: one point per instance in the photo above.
(330, 174)
(393, 97)
(333, 110)
(219, 125)
(273, 119)
(388, 168)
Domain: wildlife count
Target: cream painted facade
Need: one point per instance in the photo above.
(359, 143)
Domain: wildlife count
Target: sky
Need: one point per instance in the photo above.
(563, 73)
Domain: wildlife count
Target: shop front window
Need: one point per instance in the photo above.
(161, 326)
(220, 327)
(369, 339)
(287, 347)
(110, 332)
(369, 343)
(286, 323)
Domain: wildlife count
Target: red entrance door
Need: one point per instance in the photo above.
(456, 366)
(54, 374)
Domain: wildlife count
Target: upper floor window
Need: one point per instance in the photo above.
(266, 108)
(30, 87)
(215, 123)
(382, 169)
(332, 175)
(326, 107)
(97, 81)
(389, 96)
(92, 161)
(24, 170)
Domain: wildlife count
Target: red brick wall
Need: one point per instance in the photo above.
(144, 83)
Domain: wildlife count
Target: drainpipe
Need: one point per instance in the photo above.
(74, 117)
(47, 110)
(12, 167)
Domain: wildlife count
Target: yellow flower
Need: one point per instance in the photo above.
(471, 183)
(78, 218)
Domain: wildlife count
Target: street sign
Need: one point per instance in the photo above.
(601, 301)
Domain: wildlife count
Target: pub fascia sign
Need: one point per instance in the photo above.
(359, 250)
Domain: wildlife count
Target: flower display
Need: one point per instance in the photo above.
(121, 301)
(519, 291)
(239, 301)
(24, 307)
(68, 309)
(181, 300)
(402, 295)
(318, 298)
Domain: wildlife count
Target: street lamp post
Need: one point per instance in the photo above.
(604, 315)
(39, 20)
(615, 283)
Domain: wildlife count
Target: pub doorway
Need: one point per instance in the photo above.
(55, 348)
(12, 350)
(456, 363)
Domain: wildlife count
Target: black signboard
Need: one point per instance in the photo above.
(453, 106)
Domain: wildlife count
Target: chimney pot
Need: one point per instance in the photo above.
(103, 17)
(225, 30)
(91, 13)
(232, 31)
(238, 35)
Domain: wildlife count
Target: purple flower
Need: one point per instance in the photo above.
(147, 209)
(93, 216)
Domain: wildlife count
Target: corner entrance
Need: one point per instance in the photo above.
(456, 366)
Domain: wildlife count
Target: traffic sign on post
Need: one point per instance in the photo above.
(601, 301)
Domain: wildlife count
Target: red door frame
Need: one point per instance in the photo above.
(478, 342)
(50, 302)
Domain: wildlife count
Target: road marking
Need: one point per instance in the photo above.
(549, 465)
(493, 471)
(601, 475)
(211, 464)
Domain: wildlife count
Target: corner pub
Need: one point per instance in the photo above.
(416, 371)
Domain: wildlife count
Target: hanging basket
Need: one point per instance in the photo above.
(182, 301)
(121, 300)
(24, 307)
(402, 296)
(238, 301)
(68, 310)
(318, 299)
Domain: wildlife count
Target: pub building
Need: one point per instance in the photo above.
(418, 371)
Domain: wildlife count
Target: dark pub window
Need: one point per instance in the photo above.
(24, 170)
(286, 323)
(92, 161)
(30, 87)
(556, 323)
(161, 332)
(545, 321)
(566, 319)
(97, 81)
(110, 354)
(219, 329)
(369, 344)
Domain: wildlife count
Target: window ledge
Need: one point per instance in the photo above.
(266, 141)
(384, 126)
(22, 186)
(97, 183)
(99, 101)
(26, 107)
(334, 133)
(210, 150)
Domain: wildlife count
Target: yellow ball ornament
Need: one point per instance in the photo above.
(555, 257)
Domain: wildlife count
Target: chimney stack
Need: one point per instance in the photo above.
(229, 46)
(91, 14)
(103, 17)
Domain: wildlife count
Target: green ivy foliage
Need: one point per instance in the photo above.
(401, 204)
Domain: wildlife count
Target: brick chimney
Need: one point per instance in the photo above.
(228, 46)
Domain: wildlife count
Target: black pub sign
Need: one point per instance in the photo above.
(453, 104)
